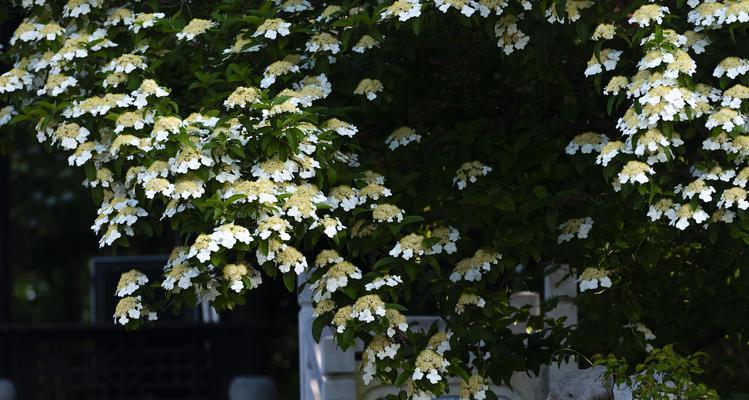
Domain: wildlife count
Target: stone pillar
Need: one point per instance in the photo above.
(561, 283)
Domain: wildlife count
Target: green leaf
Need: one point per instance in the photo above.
(402, 378)
(289, 280)
(317, 327)
(384, 261)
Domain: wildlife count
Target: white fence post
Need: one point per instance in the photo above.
(561, 283)
(526, 384)
(325, 371)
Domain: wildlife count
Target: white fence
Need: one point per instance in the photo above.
(328, 373)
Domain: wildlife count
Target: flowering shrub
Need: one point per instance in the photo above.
(423, 153)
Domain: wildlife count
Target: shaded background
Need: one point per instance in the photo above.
(49, 345)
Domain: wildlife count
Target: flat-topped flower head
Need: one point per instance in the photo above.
(402, 137)
(592, 278)
(272, 28)
(429, 365)
(76, 8)
(369, 87)
(134, 120)
(386, 280)
(603, 32)
(386, 213)
(345, 197)
(242, 97)
(698, 187)
(119, 15)
(145, 20)
(734, 95)
(734, 196)
(188, 187)
(164, 127)
(402, 9)
(239, 274)
(474, 389)
(680, 215)
(341, 318)
(340, 127)
(329, 12)
(651, 141)
(448, 237)
(586, 143)
(195, 28)
(731, 67)
(70, 135)
(473, 268)
(276, 69)
(330, 225)
(608, 60)
(440, 342)
(131, 308)
(6, 114)
(380, 347)
(26, 32)
(468, 299)
(323, 42)
(659, 208)
(742, 177)
(465, 7)
(323, 307)
(263, 191)
(327, 257)
(367, 307)
(15, 79)
(408, 247)
(126, 63)
(737, 11)
(647, 14)
(290, 258)
(615, 85)
(336, 277)
(469, 172)
(295, 6)
(365, 43)
(579, 227)
(275, 170)
(509, 36)
(609, 151)
(571, 13)
(130, 282)
(725, 118)
(273, 225)
(179, 277)
(635, 172)
(396, 322)
(228, 235)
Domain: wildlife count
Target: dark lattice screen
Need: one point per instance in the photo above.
(165, 362)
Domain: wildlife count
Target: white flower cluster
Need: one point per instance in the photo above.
(593, 278)
(661, 99)
(473, 268)
(579, 227)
